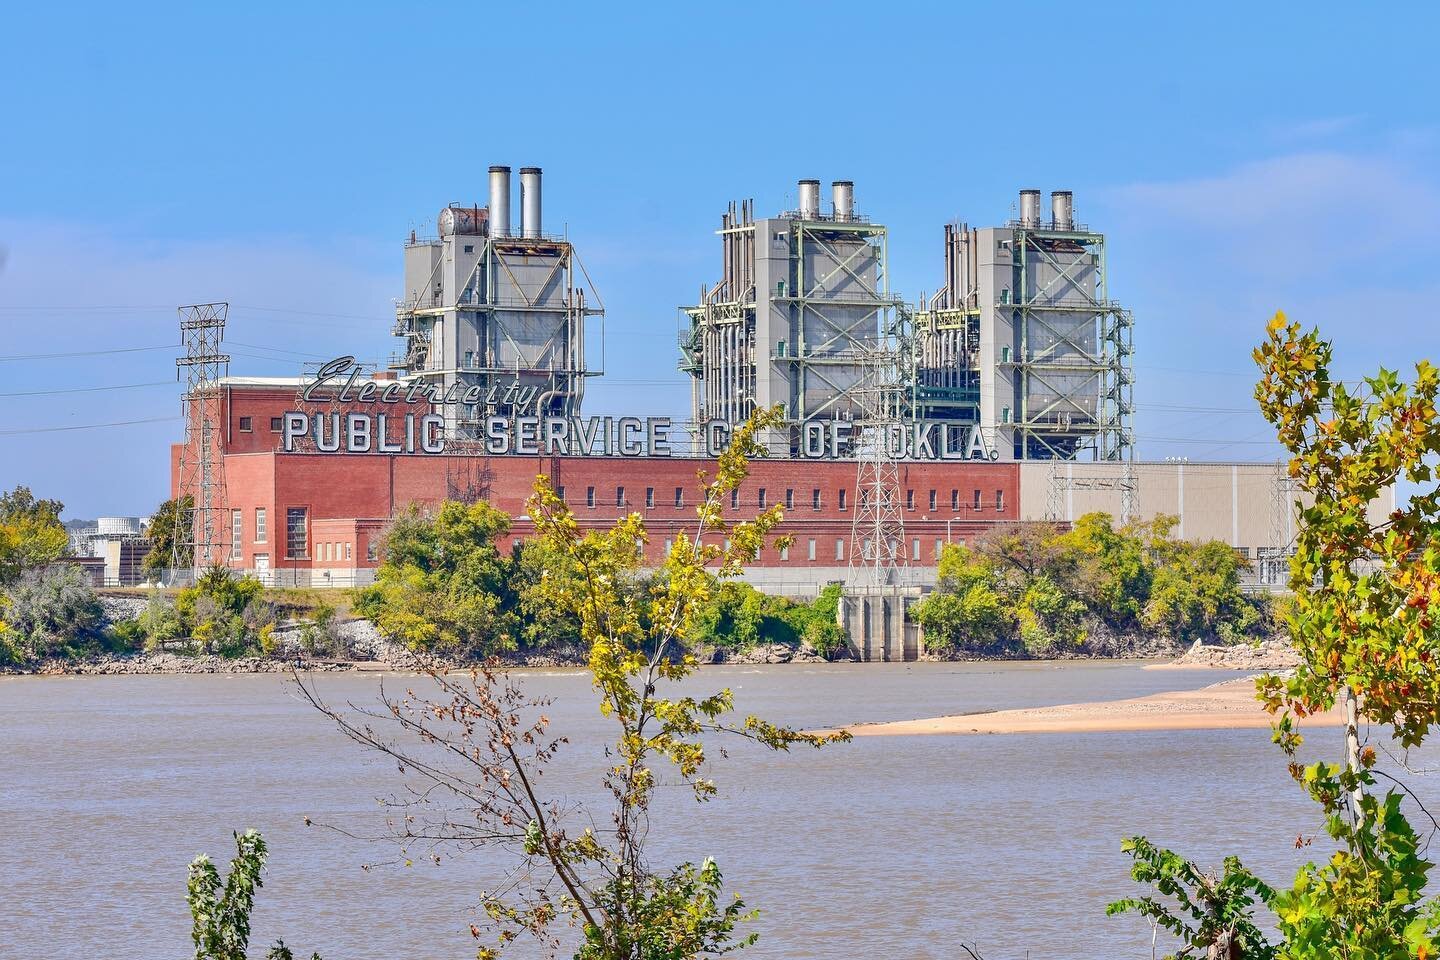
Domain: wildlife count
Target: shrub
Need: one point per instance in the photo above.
(54, 612)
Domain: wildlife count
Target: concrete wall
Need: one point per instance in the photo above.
(1235, 503)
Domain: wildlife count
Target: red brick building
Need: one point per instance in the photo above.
(317, 511)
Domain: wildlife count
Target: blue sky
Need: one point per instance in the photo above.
(1241, 159)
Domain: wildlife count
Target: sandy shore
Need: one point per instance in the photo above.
(1225, 706)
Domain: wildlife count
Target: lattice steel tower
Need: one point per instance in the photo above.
(202, 468)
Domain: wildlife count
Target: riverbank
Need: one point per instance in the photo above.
(1230, 705)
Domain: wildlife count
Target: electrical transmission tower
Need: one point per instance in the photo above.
(1284, 492)
(203, 532)
(877, 532)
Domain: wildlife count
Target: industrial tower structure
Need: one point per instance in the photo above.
(496, 317)
(1023, 339)
(201, 532)
(802, 316)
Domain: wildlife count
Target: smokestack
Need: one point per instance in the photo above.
(842, 195)
(1062, 209)
(530, 201)
(809, 199)
(499, 201)
(1029, 208)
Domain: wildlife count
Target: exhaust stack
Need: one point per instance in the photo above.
(809, 199)
(842, 194)
(499, 201)
(530, 201)
(1030, 209)
(1062, 209)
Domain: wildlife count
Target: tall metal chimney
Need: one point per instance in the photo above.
(1062, 209)
(809, 199)
(1029, 207)
(842, 195)
(499, 201)
(530, 201)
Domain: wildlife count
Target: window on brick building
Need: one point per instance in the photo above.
(276, 425)
(679, 497)
(260, 532)
(955, 500)
(649, 498)
(933, 501)
(297, 540)
(999, 500)
(237, 534)
(909, 499)
(734, 499)
(372, 549)
(839, 549)
(347, 551)
(840, 499)
(815, 499)
(790, 498)
(784, 553)
(812, 548)
(619, 496)
(760, 499)
(939, 545)
(560, 493)
(589, 496)
(977, 500)
(915, 549)
(245, 424)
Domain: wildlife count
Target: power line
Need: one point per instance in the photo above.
(118, 386)
(85, 353)
(88, 426)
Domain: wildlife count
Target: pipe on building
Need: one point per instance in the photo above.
(809, 199)
(842, 195)
(530, 201)
(1062, 209)
(1029, 208)
(499, 201)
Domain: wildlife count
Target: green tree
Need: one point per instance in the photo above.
(483, 744)
(170, 520)
(1112, 570)
(967, 612)
(31, 534)
(444, 585)
(1196, 592)
(1362, 620)
(220, 910)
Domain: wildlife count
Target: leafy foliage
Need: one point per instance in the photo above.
(170, 517)
(1203, 911)
(444, 585)
(479, 749)
(53, 612)
(1361, 618)
(738, 616)
(31, 534)
(1037, 589)
(220, 910)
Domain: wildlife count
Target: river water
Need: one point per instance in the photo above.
(885, 847)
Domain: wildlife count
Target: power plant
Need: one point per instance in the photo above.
(1021, 341)
(495, 315)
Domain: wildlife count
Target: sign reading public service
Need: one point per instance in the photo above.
(525, 433)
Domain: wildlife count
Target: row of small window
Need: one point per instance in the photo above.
(297, 537)
(816, 499)
(247, 424)
(811, 549)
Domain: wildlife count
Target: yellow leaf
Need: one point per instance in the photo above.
(1276, 322)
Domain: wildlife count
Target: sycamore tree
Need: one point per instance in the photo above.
(474, 747)
(1363, 620)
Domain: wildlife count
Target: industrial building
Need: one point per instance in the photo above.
(494, 315)
(1021, 340)
(1005, 396)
